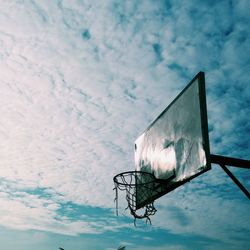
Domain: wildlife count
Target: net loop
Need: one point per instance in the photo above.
(131, 182)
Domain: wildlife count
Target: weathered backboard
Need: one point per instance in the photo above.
(175, 147)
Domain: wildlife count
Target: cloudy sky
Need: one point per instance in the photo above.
(79, 81)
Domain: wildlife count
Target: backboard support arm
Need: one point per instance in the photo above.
(234, 162)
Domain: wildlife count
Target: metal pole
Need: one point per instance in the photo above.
(218, 159)
(234, 162)
(229, 173)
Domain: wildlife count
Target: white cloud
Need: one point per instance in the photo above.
(205, 207)
(24, 211)
(71, 107)
(166, 246)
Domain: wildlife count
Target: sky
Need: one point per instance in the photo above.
(79, 82)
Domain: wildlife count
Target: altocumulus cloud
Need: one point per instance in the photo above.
(81, 79)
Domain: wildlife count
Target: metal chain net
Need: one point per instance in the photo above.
(133, 182)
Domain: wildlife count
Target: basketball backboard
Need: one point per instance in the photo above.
(175, 147)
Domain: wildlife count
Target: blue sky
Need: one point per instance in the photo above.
(80, 80)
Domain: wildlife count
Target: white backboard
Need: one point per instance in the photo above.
(175, 147)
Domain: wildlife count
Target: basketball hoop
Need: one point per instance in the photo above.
(130, 181)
